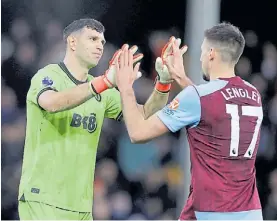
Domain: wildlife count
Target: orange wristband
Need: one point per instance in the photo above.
(98, 85)
(165, 88)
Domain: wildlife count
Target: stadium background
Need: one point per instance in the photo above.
(131, 181)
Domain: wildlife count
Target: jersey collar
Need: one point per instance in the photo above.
(71, 77)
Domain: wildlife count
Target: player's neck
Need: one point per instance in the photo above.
(79, 71)
(223, 71)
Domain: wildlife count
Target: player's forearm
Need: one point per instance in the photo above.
(65, 100)
(183, 82)
(133, 118)
(155, 102)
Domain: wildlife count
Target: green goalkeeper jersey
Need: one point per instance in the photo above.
(60, 148)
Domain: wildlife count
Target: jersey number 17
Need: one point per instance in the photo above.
(252, 111)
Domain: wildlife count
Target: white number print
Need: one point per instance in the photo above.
(233, 110)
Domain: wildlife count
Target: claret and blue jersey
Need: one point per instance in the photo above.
(223, 119)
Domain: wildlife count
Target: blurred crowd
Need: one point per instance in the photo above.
(131, 181)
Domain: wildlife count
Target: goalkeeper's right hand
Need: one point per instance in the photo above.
(108, 80)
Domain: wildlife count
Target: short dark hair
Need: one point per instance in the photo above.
(228, 39)
(78, 25)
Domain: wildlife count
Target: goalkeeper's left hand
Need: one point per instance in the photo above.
(164, 76)
(164, 79)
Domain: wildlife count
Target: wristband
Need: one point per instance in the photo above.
(98, 85)
(165, 88)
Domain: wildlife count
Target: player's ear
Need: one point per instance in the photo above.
(71, 41)
(211, 54)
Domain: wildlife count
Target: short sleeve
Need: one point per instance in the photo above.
(42, 81)
(183, 111)
(113, 105)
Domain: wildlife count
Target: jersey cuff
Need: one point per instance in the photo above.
(160, 115)
(43, 90)
(119, 116)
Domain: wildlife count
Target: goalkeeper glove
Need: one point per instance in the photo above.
(108, 80)
(164, 80)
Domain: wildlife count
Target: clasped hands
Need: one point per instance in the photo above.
(124, 66)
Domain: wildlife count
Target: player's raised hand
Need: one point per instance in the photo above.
(162, 70)
(126, 73)
(137, 57)
(175, 63)
(166, 76)
(109, 76)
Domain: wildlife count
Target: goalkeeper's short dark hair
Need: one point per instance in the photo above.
(78, 25)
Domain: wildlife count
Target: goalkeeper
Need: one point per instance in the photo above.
(65, 112)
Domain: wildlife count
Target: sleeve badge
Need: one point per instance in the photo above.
(47, 81)
(174, 104)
